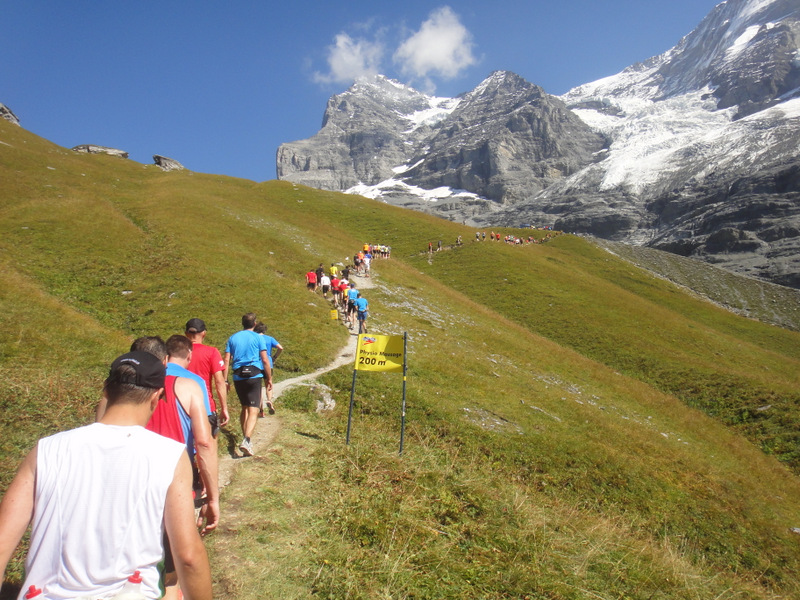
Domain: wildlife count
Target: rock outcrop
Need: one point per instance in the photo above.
(167, 164)
(8, 115)
(94, 149)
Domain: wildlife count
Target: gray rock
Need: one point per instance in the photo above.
(8, 115)
(94, 149)
(167, 164)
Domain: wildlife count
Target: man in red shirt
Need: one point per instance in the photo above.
(207, 363)
(311, 278)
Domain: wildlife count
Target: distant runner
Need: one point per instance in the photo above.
(362, 305)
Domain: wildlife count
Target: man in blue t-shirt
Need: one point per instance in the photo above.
(247, 351)
(352, 295)
(361, 308)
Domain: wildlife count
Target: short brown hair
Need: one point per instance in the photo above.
(179, 346)
(152, 344)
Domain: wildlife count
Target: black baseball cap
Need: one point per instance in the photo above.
(195, 325)
(149, 371)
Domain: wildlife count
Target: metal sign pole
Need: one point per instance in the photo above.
(403, 411)
(352, 401)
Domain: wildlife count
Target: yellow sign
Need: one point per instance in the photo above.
(334, 314)
(379, 353)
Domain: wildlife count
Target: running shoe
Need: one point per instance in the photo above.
(246, 448)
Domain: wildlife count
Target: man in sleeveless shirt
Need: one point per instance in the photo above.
(100, 497)
(195, 431)
(185, 401)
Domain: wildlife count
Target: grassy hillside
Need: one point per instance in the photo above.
(577, 428)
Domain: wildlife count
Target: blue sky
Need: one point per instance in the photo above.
(219, 86)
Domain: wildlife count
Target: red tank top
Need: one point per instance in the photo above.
(169, 419)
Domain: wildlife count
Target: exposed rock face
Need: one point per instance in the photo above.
(366, 132)
(167, 164)
(8, 115)
(504, 141)
(694, 151)
(94, 149)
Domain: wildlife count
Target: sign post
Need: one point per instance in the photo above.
(382, 353)
(403, 409)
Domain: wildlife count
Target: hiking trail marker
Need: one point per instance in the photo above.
(383, 353)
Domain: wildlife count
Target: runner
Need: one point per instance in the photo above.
(367, 261)
(352, 296)
(246, 353)
(344, 285)
(99, 497)
(207, 363)
(311, 281)
(335, 291)
(325, 282)
(319, 272)
(361, 306)
(272, 344)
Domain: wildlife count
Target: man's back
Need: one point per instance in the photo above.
(245, 347)
(108, 480)
(206, 361)
(179, 371)
(171, 419)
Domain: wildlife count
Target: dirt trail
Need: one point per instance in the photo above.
(268, 427)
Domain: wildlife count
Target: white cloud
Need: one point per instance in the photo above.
(442, 46)
(350, 58)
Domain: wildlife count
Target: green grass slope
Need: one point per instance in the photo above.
(577, 428)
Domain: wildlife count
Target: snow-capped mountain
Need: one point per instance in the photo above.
(504, 141)
(696, 151)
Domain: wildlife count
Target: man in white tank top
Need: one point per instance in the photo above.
(100, 497)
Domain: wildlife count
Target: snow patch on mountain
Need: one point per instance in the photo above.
(648, 135)
(741, 42)
(440, 109)
(398, 186)
(754, 7)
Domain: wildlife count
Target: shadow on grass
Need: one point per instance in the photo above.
(230, 442)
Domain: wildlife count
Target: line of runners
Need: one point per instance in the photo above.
(337, 282)
(149, 460)
(113, 503)
(480, 236)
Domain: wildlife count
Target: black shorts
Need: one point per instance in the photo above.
(351, 306)
(213, 420)
(249, 391)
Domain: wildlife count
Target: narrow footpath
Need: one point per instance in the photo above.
(268, 427)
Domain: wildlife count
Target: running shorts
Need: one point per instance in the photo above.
(249, 391)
